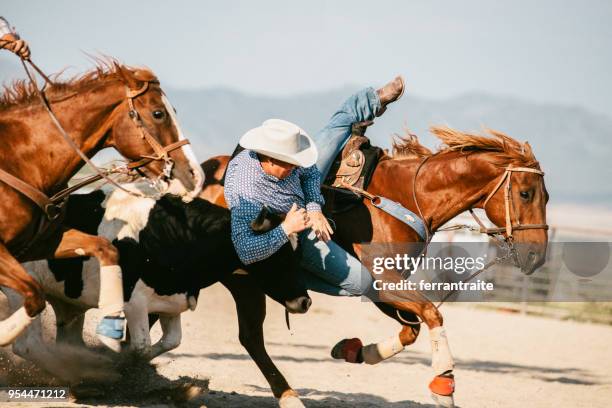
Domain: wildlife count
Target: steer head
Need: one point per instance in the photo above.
(278, 275)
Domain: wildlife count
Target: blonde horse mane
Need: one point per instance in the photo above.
(502, 147)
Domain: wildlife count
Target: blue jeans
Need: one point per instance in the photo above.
(332, 138)
(326, 267)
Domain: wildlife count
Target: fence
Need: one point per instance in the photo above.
(512, 284)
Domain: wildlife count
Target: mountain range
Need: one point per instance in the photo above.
(573, 145)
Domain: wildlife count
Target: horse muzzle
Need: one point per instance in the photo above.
(186, 181)
(530, 258)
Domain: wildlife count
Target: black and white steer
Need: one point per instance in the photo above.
(169, 250)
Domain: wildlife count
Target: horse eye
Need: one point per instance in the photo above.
(524, 195)
(158, 114)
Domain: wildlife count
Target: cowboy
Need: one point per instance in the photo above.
(9, 40)
(282, 168)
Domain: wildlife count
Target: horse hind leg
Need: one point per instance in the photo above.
(14, 276)
(353, 350)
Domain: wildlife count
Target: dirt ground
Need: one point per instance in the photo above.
(502, 360)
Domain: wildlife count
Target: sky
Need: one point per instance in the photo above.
(539, 50)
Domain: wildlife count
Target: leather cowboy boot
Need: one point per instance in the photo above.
(390, 93)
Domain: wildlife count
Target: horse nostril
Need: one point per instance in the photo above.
(531, 257)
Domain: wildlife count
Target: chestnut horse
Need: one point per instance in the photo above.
(111, 106)
(466, 173)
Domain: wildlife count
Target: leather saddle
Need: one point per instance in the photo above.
(354, 166)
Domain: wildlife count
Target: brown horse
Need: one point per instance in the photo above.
(467, 172)
(111, 106)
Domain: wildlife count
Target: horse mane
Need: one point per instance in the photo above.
(408, 147)
(503, 148)
(21, 91)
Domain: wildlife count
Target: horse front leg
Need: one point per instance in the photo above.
(31, 346)
(442, 386)
(14, 276)
(251, 309)
(74, 243)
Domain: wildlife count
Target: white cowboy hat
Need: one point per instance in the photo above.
(282, 140)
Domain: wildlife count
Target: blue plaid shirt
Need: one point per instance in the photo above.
(248, 188)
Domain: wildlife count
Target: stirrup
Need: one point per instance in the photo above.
(111, 331)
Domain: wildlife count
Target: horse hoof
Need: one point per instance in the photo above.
(446, 401)
(290, 401)
(347, 350)
(442, 388)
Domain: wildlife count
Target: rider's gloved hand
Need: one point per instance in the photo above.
(9, 39)
(16, 45)
(296, 220)
(320, 225)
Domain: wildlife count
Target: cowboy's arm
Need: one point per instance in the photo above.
(311, 186)
(252, 247)
(10, 40)
(310, 177)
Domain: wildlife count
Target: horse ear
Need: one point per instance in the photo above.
(127, 75)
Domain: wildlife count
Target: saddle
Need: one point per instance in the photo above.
(354, 167)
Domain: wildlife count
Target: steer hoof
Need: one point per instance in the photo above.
(348, 350)
(442, 389)
(290, 399)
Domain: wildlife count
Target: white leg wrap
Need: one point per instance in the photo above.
(290, 402)
(111, 291)
(375, 353)
(441, 358)
(14, 326)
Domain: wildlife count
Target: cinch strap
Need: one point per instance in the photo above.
(400, 212)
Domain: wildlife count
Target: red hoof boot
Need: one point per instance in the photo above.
(442, 389)
(348, 350)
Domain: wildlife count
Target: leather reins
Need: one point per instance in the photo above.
(52, 206)
(508, 204)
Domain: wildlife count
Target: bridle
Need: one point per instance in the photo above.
(52, 206)
(508, 204)
(159, 152)
(505, 242)
(509, 228)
